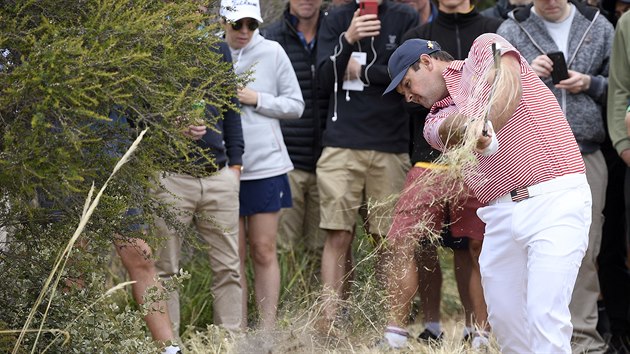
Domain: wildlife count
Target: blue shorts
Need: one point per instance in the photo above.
(266, 195)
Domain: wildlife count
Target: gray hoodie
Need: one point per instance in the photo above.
(590, 43)
(279, 97)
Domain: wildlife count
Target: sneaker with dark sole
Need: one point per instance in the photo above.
(427, 337)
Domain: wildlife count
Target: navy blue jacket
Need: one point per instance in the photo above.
(228, 130)
(303, 137)
(368, 121)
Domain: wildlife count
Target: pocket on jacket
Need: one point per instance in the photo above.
(263, 147)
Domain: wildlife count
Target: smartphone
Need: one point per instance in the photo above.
(559, 72)
(368, 7)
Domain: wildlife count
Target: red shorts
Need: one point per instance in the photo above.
(424, 208)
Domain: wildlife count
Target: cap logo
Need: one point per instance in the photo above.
(430, 44)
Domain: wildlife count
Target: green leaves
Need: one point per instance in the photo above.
(78, 80)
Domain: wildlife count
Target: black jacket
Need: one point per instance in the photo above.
(303, 137)
(368, 121)
(455, 33)
(500, 10)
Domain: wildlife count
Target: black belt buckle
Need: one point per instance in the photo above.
(519, 194)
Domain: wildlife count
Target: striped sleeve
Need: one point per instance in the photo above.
(440, 111)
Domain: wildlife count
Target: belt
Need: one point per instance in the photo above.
(554, 185)
(429, 165)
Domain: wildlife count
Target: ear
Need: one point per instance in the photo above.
(426, 61)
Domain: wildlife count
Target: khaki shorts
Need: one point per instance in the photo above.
(299, 225)
(347, 177)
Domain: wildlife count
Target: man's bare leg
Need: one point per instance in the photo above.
(136, 257)
(334, 270)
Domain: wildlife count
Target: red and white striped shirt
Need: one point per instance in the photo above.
(536, 144)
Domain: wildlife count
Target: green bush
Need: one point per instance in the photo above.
(66, 65)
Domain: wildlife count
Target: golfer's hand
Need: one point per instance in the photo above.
(362, 27)
(483, 142)
(487, 143)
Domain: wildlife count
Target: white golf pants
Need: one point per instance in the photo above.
(531, 254)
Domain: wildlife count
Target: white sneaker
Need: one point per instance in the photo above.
(171, 349)
(480, 342)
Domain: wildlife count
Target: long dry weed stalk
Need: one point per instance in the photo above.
(56, 273)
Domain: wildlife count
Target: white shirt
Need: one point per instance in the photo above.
(559, 31)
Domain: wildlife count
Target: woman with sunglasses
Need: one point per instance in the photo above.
(272, 94)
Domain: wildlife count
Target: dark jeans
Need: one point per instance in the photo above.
(614, 276)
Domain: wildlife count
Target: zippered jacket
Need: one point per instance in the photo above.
(225, 143)
(279, 97)
(364, 120)
(589, 47)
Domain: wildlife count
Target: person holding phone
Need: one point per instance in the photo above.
(363, 155)
(584, 36)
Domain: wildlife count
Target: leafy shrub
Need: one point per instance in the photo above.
(71, 73)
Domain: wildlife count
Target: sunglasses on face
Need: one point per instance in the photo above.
(251, 25)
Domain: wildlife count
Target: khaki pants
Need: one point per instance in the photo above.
(299, 225)
(583, 307)
(211, 205)
(346, 177)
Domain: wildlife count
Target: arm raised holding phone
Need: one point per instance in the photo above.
(362, 26)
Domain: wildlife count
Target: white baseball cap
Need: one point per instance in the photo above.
(234, 10)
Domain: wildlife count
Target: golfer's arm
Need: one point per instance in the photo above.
(505, 99)
(508, 92)
(452, 129)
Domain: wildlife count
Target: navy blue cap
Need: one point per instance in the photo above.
(404, 56)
